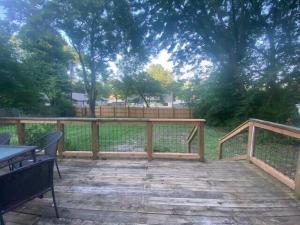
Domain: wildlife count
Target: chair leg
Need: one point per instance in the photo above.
(57, 169)
(1, 220)
(54, 202)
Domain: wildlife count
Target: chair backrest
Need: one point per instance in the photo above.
(52, 141)
(25, 183)
(4, 139)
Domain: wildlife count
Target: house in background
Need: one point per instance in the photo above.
(79, 99)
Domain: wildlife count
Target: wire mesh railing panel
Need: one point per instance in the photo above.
(10, 129)
(77, 137)
(125, 137)
(235, 146)
(35, 133)
(277, 150)
(171, 138)
(195, 144)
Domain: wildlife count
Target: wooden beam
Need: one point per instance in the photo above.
(251, 141)
(125, 155)
(220, 150)
(21, 132)
(297, 177)
(184, 156)
(79, 154)
(236, 158)
(235, 132)
(200, 128)
(149, 140)
(192, 134)
(273, 172)
(95, 139)
(280, 130)
(61, 127)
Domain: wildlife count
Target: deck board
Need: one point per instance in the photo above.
(162, 192)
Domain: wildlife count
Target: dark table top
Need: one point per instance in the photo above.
(8, 152)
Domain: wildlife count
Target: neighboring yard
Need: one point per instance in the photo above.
(115, 137)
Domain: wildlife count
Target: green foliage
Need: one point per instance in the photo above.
(254, 46)
(35, 134)
(14, 82)
(97, 30)
(157, 72)
(146, 87)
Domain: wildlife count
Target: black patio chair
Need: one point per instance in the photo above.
(25, 184)
(51, 147)
(4, 139)
(48, 144)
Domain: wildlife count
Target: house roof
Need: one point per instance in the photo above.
(80, 97)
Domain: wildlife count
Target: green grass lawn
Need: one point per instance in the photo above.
(131, 137)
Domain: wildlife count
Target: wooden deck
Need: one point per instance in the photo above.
(162, 192)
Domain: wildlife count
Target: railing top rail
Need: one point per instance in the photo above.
(277, 125)
(235, 131)
(100, 119)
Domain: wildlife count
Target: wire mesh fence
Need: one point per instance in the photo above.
(10, 129)
(235, 146)
(35, 133)
(113, 135)
(77, 136)
(171, 137)
(277, 150)
(123, 137)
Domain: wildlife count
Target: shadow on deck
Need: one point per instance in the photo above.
(162, 192)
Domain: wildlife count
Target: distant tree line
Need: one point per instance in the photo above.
(253, 45)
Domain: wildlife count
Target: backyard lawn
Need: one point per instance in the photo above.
(116, 137)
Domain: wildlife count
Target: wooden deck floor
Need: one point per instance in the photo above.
(162, 192)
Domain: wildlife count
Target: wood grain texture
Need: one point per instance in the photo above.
(111, 192)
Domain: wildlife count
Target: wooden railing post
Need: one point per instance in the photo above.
(220, 150)
(251, 141)
(95, 139)
(149, 140)
(21, 132)
(61, 127)
(200, 128)
(297, 177)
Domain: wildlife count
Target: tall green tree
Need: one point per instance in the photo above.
(97, 30)
(17, 90)
(254, 46)
(46, 60)
(146, 87)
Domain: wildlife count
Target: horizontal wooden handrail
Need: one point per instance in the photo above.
(277, 128)
(74, 119)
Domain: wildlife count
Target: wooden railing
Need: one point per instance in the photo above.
(108, 138)
(275, 149)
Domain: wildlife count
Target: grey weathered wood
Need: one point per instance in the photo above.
(61, 127)
(251, 141)
(20, 132)
(115, 192)
(150, 140)
(297, 177)
(95, 139)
